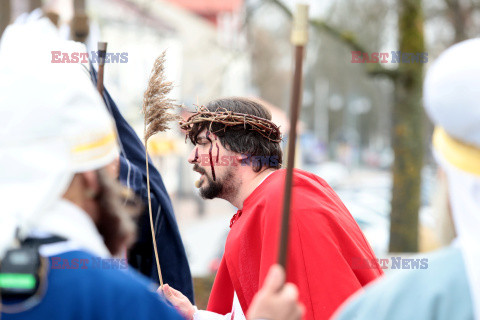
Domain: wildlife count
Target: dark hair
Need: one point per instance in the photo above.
(261, 151)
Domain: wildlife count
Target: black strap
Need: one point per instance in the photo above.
(36, 242)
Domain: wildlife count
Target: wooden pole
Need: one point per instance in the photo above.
(299, 39)
(79, 26)
(102, 53)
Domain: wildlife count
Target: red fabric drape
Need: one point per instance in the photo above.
(325, 248)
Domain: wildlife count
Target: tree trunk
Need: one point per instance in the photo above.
(5, 15)
(407, 132)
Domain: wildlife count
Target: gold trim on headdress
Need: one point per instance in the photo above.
(108, 139)
(463, 156)
(93, 147)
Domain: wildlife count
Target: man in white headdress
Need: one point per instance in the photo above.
(450, 287)
(59, 202)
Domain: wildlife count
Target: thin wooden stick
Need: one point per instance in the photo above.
(102, 53)
(151, 218)
(299, 39)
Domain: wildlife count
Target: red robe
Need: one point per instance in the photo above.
(325, 247)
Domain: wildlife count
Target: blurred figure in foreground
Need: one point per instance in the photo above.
(450, 287)
(63, 225)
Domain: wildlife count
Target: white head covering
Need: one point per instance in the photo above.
(53, 124)
(452, 99)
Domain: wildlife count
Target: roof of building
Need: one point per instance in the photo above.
(209, 6)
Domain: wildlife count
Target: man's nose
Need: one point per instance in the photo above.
(193, 157)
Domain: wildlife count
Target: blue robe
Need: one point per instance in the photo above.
(439, 292)
(104, 291)
(172, 256)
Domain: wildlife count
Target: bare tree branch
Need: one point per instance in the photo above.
(347, 37)
(378, 70)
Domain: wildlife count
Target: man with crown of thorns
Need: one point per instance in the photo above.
(325, 241)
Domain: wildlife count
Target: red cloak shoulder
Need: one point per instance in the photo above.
(325, 245)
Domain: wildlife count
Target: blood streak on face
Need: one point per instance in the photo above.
(210, 154)
(218, 149)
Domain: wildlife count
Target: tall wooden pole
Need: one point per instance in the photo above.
(79, 26)
(102, 53)
(299, 40)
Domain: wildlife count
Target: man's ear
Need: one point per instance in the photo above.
(92, 185)
(240, 157)
(243, 159)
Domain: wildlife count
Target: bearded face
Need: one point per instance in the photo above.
(115, 213)
(217, 168)
(219, 188)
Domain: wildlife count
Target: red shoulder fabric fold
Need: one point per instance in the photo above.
(325, 248)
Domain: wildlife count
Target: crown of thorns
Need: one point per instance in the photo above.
(265, 127)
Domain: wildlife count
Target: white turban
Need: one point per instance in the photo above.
(53, 124)
(452, 99)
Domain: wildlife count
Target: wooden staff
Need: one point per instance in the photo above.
(102, 53)
(299, 39)
(80, 25)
